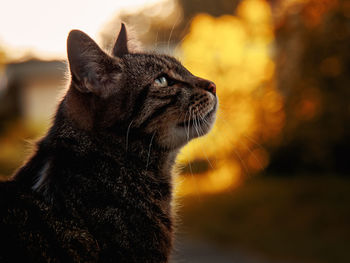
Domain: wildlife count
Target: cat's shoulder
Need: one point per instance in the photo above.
(9, 190)
(15, 204)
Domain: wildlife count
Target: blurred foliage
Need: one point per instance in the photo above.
(16, 142)
(167, 22)
(215, 8)
(292, 219)
(3, 84)
(234, 52)
(2, 58)
(2, 64)
(313, 73)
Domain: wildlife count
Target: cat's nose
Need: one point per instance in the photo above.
(207, 85)
(211, 87)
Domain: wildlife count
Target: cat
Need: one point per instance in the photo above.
(99, 186)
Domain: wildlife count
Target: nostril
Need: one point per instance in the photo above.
(211, 88)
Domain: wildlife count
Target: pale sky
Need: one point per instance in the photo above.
(41, 26)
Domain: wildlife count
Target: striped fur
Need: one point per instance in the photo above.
(99, 186)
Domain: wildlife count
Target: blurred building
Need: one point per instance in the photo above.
(29, 90)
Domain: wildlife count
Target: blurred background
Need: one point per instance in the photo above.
(270, 183)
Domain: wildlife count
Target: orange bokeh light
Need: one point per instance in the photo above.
(234, 52)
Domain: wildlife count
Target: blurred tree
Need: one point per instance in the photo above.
(2, 57)
(3, 83)
(167, 22)
(313, 73)
(234, 52)
(214, 8)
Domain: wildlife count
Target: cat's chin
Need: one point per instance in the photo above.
(180, 134)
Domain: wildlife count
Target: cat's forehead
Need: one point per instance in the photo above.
(155, 63)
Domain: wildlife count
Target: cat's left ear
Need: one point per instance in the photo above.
(121, 45)
(92, 70)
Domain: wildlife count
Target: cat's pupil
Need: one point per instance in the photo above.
(161, 81)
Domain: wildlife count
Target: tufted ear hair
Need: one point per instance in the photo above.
(121, 45)
(89, 65)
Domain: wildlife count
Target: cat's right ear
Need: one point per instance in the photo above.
(121, 45)
(87, 63)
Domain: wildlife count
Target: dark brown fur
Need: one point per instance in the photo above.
(99, 186)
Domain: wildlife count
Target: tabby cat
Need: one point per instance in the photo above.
(99, 186)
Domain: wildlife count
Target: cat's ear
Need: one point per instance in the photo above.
(121, 45)
(87, 62)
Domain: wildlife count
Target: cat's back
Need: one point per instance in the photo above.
(25, 236)
(12, 200)
(30, 231)
(18, 215)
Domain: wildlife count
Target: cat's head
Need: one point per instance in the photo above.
(147, 93)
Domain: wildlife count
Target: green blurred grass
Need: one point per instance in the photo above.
(301, 218)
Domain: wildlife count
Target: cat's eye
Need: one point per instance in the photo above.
(161, 81)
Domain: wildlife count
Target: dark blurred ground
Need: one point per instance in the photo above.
(289, 219)
(188, 250)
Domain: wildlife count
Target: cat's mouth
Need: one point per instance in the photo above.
(198, 120)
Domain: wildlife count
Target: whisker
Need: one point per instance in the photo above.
(252, 153)
(171, 32)
(188, 126)
(127, 136)
(195, 124)
(238, 155)
(204, 120)
(156, 41)
(253, 141)
(204, 152)
(242, 161)
(188, 23)
(149, 150)
(192, 119)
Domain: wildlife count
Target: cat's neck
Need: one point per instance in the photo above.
(89, 177)
(69, 153)
(126, 146)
